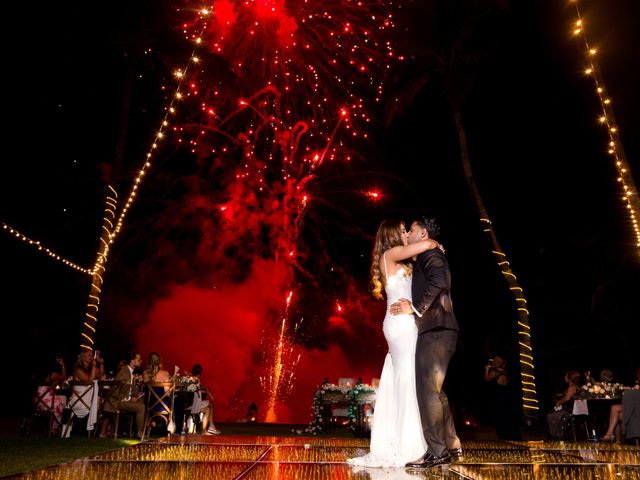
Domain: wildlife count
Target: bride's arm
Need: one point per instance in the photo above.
(403, 252)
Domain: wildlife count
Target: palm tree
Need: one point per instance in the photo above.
(449, 53)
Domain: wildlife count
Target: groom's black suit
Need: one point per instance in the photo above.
(437, 338)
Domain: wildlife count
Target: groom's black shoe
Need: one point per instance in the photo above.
(429, 461)
(456, 454)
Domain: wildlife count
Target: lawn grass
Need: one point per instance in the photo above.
(23, 454)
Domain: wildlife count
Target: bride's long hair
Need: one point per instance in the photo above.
(389, 235)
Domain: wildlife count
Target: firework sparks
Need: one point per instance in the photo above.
(282, 88)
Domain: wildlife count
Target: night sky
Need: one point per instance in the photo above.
(85, 87)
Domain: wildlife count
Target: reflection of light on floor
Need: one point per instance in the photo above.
(550, 472)
(196, 457)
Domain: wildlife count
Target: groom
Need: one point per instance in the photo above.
(437, 337)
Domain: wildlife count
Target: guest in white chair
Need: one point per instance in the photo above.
(89, 366)
(205, 405)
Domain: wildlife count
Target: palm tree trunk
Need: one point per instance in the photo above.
(527, 378)
(89, 325)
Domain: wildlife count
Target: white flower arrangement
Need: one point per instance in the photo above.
(361, 393)
(187, 383)
(331, 393)
(317, 422)
(601, 391)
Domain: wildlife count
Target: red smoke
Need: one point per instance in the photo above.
(223, 329)
(217, 261)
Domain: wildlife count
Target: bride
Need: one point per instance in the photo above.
(396, 431)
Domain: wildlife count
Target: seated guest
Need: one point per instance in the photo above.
(205, 405)
(614, 432)
(124, 397)
(565, 400)
(49, 397)
(89, 366)
(606, 376)
(154, 372)
(58, 373)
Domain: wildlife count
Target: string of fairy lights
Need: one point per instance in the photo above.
(111, 225)
(160, 133)
(629, 194)
(110, 229)
(113, 220)
(48, 251)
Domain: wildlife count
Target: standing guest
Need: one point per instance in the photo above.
(252, 413)
(123, 397)
(504, 399)
(89, 366)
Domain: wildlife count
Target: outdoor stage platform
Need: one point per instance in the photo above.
(196, 457)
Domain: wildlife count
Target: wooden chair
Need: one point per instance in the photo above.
(580, 418)
(109, 410)
(80, 404)
(160, 403)
(42, 405)
(192, 417)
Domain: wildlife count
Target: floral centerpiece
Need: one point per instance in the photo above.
(601, 391)
(360, 394)
(325, 393)
(187, 383)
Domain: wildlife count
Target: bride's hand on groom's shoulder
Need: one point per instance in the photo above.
(441, 247)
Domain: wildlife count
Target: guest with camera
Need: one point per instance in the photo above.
(504, 400)
(89, 366)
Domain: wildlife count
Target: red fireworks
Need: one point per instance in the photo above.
(280, 88)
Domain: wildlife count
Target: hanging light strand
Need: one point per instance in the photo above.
(160, 133)
(111, 225)
(36, 244)
(629, 192)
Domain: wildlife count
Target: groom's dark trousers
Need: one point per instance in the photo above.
(433, 352)
(437, 338)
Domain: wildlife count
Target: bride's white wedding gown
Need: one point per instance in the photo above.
(396, 431)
